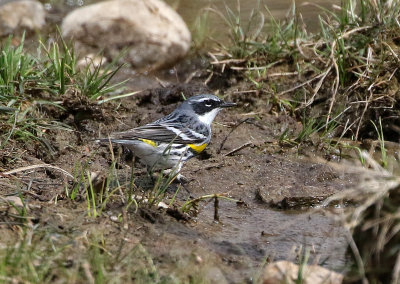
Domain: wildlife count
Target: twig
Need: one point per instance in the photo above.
(208, 78)
(392, 52)
(245, 92)
(230, 132)
(36, 167)
(357, 256)
(227, 61)
(396, 270)
(216, 205)
(190, 77)
(212, 56)
(87, 269)
(301, 85)
(362, 114)
(280, 74)
(190, 203)
(245, 145)
(335, 88)
(316, 89)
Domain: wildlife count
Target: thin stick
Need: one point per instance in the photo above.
(396, 270)
(225, 61)
(233, 129)
(362, 114)
(238, 149)
(302, 84)
(36, 167)
(357, 256)
(316, 89)
(216, 205)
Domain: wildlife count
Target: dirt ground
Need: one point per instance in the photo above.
(280, 189)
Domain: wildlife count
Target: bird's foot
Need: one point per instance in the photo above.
(182, 179)
(178, 178)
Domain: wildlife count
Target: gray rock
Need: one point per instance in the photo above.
(26, 14)
(153, 34)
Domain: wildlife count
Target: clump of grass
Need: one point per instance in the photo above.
(94, 187)
(242, 32)
(310, 127)
(16, 69)
(95, 80)
(29, 82)
(161, 185)
(99, 190)
(60, 65)
(41, 255)
(201, 30)
(351, 62)
(381, 139)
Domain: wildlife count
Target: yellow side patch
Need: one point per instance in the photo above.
(150, 142)
(198, 148)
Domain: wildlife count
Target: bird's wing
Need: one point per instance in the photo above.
(165, 132)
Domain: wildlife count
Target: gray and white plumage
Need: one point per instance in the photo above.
(171, 140)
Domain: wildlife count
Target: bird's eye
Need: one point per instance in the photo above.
(208, 103)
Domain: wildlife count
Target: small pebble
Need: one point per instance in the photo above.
(163, 205)
(199, 259)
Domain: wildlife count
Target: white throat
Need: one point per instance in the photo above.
(208, 117)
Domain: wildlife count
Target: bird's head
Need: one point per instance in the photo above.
(206, 107)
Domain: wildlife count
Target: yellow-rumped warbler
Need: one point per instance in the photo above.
(169, 142)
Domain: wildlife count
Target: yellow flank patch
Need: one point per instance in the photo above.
(150, 142)
(198, 148)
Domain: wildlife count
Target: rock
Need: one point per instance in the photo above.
(14, 200)
(287, 272)
(153, 34)
(91, 61)
(26, 14)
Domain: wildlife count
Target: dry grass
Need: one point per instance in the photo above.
(373, 224)
(352, 62)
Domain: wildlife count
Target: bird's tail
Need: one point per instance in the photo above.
(104, 140)
(115, 141)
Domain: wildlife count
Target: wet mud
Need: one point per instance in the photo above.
(259, 199)
(279, 188)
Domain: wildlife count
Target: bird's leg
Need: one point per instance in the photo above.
(179, 177)
(150, 173)
(172, 173)
(182, 179)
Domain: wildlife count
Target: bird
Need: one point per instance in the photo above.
(167, 143)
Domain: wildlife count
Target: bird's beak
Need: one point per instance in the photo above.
(225, 105)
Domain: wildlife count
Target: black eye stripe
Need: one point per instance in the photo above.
(205, 106)
(210, 103)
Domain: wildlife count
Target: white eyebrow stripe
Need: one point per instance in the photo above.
(206, 99)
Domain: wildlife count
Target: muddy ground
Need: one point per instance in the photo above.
(280, 188)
